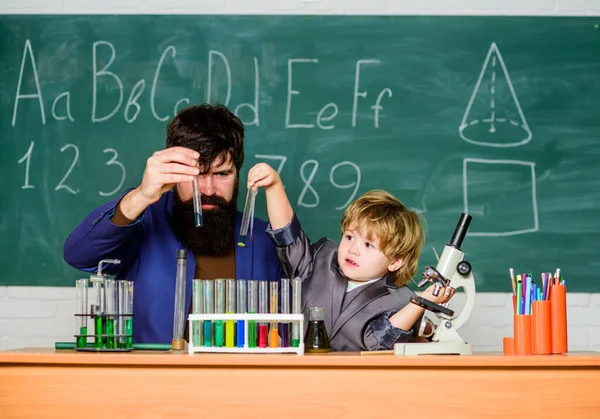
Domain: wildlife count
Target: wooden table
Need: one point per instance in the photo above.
(48, 383)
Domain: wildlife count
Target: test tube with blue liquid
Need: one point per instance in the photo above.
(296, 309)
(263, 308)
(197, 308)
(219, 309)
(197, 201)
(81, 319)
(284, 327)
(209, 287)
(247, 217)
(252, 309)
(241, 308)
(230, 309)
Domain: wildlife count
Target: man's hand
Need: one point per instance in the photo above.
(164, 169)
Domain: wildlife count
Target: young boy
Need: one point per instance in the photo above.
(362, 282)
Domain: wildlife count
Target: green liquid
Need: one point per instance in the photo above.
(98, 330)
(219, 333)
(251, 333)
(197, 333)
(82, 340)
(129, 333)
(208, 333)
(295, 343)
(110, 330)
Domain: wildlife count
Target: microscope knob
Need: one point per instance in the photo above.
(464, 268)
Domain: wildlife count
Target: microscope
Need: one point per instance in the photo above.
(453, 272)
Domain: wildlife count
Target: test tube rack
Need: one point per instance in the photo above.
(258, 317)
(105, 342)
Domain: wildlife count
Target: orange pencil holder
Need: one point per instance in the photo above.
(522, 334)
(508, 345)
(541, 327)
(558, 314)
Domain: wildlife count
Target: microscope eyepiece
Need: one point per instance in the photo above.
(460, 231)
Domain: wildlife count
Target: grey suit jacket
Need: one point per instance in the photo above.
(355, 321)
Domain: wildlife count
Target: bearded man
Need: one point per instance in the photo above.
(146, 226)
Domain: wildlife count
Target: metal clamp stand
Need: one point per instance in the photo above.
(446, 339)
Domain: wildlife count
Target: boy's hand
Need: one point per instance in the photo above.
(444, 295)
(263, 175)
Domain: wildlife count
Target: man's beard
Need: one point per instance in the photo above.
(216, 236)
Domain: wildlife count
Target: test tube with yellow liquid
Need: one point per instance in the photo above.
(230, 309)
(274, 309)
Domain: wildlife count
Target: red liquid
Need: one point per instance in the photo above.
(262, 335)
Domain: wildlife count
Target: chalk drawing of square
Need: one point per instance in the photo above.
(501, 197)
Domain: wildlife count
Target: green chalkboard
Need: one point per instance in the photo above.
(498, 116)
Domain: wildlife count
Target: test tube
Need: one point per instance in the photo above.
(125, 309)
(263, 307)
(241, 308)
(81, 295)
(110, 290)
(120, 318)
(219, 309)
(230, 309)
(247, 217)
(284, 327)
(274, 309)
(98, 313)
(179, 310)
(296, 309)
(209, 288)
(252, 309)
(197, 201)
(129, 311)
(197, 308)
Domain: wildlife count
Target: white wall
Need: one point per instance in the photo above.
(39, 316)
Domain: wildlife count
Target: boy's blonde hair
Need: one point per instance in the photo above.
(398, 229)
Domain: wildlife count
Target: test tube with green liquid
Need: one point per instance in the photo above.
(197, 308)
(209, 302)
(241, 308)
(219, 309)
(274, 309)
(81, 318)
(125, 311)
(98, 313)
(110, 290)
(128, 285)
(230, 309)
(284, 327)
(263, 307)
(296, 309)
(121, 341)
(252, 309)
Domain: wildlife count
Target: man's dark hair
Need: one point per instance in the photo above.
(211, 130)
